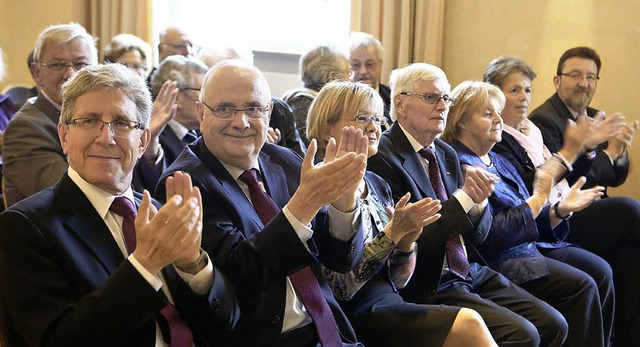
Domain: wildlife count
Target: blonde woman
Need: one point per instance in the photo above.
(369, 293)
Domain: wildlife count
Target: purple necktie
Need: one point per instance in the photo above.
(458, 263)
(179, 333)
(304, 281)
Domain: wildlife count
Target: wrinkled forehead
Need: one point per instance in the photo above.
(364, 53)
(175, 37)
(235, 82)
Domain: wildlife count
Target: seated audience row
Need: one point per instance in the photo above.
(449, 228)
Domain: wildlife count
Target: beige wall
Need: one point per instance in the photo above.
(540, 31)
(21, 22)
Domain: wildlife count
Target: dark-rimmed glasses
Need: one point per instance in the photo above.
(576, 76)
(432, 98)
(226, 112)
(93, 126)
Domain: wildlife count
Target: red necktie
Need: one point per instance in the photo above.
(179, 333)
(304, 281)
(458, 263)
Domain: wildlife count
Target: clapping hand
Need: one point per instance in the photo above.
(173, 233)
(408, 219)
(578, 199)
(334, 181)
(478, 183)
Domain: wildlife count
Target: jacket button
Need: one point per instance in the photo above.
(215, 303)
(275, 320)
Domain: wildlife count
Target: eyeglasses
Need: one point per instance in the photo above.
(63, 65)
(432, 98)
(188, 47)
(226, 112)
(190, 88)
(369, 118)
(119, 127)
(576, 76)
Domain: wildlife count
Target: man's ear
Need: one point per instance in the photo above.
(63, 130)
(35, 73)
(556, 82)
(145, 139)
(398, 104)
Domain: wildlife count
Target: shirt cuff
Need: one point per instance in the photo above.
(342, 225)
(201, 282)
(304, 231)
(465, 201)
(152, 279)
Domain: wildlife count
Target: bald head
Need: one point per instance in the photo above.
(174, 41)
(235, 139)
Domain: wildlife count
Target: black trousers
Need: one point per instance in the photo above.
(514, 316)
(610, 228)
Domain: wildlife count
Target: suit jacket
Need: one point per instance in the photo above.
(171, 145)
(400, 166)
(510, 248)
(33, 156)
(385, 94)
(257, 258)
(551, 117)
(282, 118)
(65, 281)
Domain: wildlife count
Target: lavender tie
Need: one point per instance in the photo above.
(458, 263)
(179, 333)
(304, 281)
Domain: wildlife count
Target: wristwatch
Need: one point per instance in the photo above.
(195, 266)
(555, 211)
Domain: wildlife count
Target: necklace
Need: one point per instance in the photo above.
(487, 160)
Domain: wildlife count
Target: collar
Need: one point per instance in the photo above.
(179, 129)
(236, 172)
(417, 146)
(100, 199)
(55, 104)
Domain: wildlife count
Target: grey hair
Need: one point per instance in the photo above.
(364, 40)
(318, 62)
(501, 67)
(176, 68)
(64, 33)
(123, 43)
(107, 77)
(403, 79)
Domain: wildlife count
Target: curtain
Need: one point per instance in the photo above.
(107, 18)
(410, 30)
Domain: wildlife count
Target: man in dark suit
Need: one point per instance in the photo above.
(77, 269)
(32, 155)
(365, 61)
(261, 202)
(576, 82)
(187, 73)
(420, 105)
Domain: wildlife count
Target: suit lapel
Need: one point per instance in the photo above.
(274, 176)
(222, 176)
(47, 108)
(86, 224)
(411, 161)
(446, 165)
